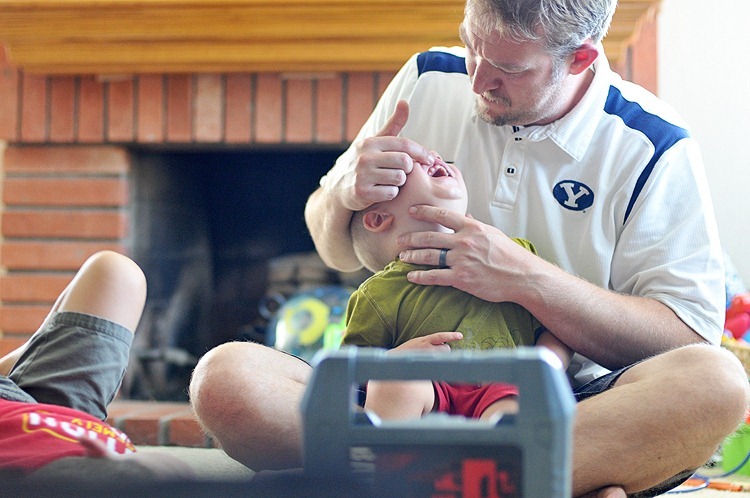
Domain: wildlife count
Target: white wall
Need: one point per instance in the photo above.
(704, 72)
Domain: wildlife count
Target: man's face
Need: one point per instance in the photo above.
(517, 83)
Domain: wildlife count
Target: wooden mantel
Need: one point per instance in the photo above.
(197, 36)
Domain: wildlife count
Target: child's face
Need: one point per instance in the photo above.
(439, 185)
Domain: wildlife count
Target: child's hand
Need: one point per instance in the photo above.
(438, 341)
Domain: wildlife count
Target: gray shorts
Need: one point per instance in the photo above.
(76, 360)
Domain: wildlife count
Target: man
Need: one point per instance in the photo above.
(605, 180)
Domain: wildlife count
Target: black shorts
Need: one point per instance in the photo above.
(599, 385)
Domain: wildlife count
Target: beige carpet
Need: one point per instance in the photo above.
(206, 463)
(214, 464)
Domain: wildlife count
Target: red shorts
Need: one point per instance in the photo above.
(469, 400)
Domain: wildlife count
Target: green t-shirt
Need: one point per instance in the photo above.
(388, 310)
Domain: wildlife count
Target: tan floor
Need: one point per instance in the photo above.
(206, 463)
(211, 463)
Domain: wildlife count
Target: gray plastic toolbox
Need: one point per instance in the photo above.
(523, 455)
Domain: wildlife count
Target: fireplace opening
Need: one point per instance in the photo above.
(216, 232)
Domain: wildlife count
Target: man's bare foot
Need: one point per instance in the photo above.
(608, 492)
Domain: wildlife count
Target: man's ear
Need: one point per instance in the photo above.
(377, 221)
(583, 57)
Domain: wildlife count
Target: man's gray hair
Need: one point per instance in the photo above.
(563, 25)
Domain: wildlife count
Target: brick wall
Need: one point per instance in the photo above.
(60, 204)
(64, 158)
(181, 109)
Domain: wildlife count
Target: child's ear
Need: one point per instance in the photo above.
(377, 221)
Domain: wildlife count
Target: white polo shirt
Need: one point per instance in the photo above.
(614, 192)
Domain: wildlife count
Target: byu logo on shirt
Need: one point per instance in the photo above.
(573, 195)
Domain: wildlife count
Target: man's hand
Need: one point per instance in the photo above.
(484, 262)
(481, 260)
(379, 165)
(610, 492)
(370, 171)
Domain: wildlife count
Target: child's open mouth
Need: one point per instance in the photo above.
(438, 170)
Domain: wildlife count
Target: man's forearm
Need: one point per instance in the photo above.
(611, 329)
(328, 223)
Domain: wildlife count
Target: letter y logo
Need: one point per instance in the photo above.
(573, 195)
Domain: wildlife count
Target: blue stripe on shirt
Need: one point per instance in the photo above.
(440, 61)
(660, 132)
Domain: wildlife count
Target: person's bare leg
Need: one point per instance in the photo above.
(108, 285)
(665, 415)
(247, 396)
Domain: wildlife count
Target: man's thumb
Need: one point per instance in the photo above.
(397, 121)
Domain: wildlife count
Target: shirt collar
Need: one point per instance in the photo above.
(574, 132)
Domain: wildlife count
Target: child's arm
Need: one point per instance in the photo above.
(548, 340)
(400, 400)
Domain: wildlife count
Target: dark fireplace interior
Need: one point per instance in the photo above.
(216, 233)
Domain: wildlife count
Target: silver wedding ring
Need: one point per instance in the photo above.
(441, 260)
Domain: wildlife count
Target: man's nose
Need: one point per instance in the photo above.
(485, 77)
